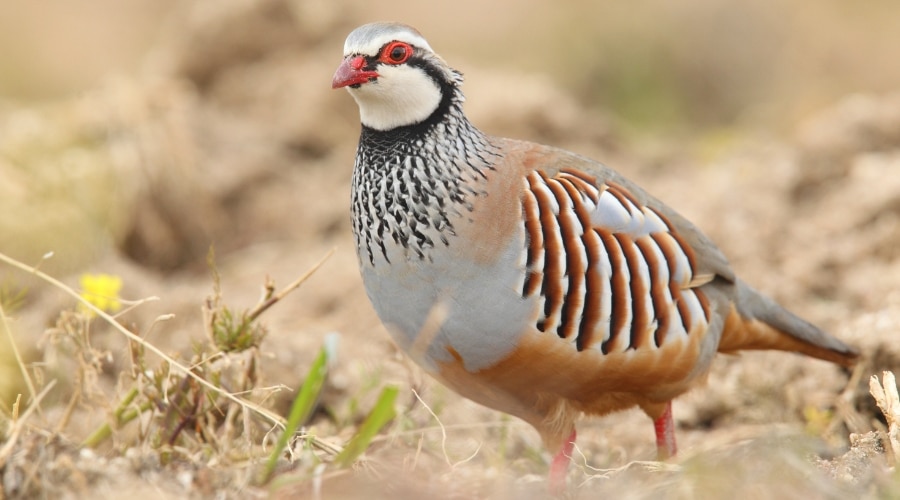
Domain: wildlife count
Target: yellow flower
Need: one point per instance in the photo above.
(101, 290)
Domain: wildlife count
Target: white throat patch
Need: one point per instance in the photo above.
(401, 95)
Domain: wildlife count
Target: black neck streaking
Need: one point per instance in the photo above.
(411, 184)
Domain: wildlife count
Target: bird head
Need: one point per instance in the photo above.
(394, 76)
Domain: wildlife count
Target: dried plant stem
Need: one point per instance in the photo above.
(70, 408)
(19, 361)
(888, 400)
(450, 462)
(272, 417)
(273, 299)
(12, 433)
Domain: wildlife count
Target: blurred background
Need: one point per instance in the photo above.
(79, 79)
(700, 63)
(135, 134)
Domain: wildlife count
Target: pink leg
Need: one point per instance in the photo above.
(665, 434)
(560, 466)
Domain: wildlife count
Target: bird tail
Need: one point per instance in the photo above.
(757, 322)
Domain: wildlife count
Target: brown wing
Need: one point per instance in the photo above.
(616, 269)
(612, 268)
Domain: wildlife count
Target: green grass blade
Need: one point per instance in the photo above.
(124, 413)
(301, 409)
(381, 414)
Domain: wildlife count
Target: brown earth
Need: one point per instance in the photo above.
(228, 134)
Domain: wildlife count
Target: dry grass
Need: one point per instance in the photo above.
(211, 411)
(204, 426)
(887, 399)
(228, 134)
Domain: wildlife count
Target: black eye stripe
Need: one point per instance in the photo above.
(414, 60)
(418, 59)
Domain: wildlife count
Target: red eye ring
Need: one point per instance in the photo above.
(396, 53)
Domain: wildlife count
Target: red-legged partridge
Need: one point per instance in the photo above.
(530, 279)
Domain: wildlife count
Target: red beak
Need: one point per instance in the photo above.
(351, 72)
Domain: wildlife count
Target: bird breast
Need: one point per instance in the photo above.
(439, 265)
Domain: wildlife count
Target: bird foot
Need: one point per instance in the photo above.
(665, 434)
(560, 466)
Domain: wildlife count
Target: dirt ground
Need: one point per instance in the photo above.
(227, 133)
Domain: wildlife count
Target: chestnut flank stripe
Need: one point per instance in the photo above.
(535, 242)
(658, 289)
(592, 301)
(684, 310)
(583, 182)
(621, 294)
(550, 287)
(572, 277)
(687, 250)
(669, 249)
(704, 303)
(640, 321)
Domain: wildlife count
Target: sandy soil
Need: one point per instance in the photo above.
(221, 138)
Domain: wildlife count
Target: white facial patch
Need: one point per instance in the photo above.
(401, 95)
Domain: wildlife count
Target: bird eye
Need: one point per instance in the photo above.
(396, 53)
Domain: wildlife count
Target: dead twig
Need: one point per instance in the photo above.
(272, 298)
(19, 423)
(274, 418)
(888, 400)
(19, 361)
(450, 462)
